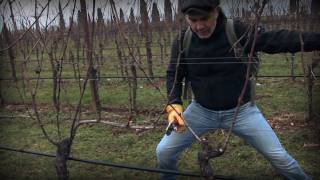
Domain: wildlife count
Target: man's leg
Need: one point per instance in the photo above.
(253, 127)
(170, 147)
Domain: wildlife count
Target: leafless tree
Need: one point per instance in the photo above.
(146, 32)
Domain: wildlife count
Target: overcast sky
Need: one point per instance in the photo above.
(24, 10)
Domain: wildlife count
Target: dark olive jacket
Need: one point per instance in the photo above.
(216, 76)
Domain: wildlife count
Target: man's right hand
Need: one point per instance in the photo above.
(175, 116)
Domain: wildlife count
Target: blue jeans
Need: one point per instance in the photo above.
(250, 125)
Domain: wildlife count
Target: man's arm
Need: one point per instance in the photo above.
(283, 41)
(280, 41)
(174, 91)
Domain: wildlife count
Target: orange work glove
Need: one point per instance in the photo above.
(173, 111)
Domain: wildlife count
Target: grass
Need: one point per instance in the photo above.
(109, 144)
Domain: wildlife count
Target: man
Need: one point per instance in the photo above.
(217, 81)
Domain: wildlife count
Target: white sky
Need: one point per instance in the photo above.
(24, 9)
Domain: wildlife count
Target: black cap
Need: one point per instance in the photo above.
(198, 7)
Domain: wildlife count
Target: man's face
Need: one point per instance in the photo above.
(203, 26)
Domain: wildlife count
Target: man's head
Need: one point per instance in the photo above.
(201, 15)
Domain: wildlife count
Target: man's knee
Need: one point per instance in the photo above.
(166, 157)
(159, 150)
(162, 152)
(281, 158)
(287, 165)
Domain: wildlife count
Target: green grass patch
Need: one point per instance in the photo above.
(104, 143)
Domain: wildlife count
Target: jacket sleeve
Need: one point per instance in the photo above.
(283, 41)
(174, 89)
(280, 41)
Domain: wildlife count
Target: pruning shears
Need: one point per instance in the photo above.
(171, 126)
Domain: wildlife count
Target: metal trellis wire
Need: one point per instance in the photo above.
(115, 165)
